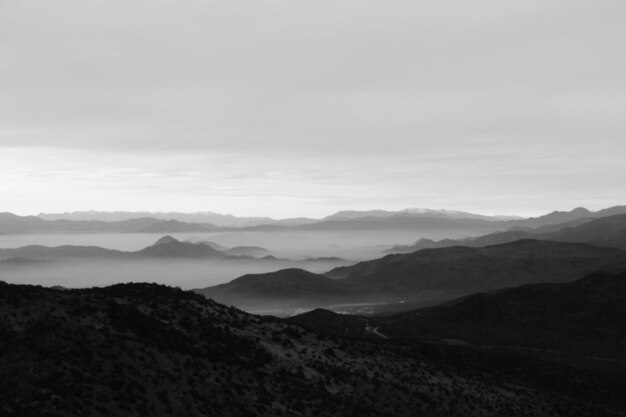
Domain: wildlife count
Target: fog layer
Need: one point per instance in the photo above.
(296, 246)
(349, 244)
(187, 274)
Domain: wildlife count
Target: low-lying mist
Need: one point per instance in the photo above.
(348, 244)
(295, 248)
(184, 273)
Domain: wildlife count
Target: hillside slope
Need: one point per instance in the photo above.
(142, 349)
(428, 276)
(586, 318)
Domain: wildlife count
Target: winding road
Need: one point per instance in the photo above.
(375, 331)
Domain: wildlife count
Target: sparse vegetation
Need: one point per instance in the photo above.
(143, 349)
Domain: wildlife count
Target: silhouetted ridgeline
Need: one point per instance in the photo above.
(585, 319)
(11, 223)
(425, 276)
(604, 231)
(143, 349)
(344, 220)
(165, 248)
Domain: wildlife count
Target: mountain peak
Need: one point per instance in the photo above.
(165, 239)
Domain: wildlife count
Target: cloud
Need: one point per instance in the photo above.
(322, 105)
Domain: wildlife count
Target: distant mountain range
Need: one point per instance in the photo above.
(13, 224)
(400, 221)
(424, 277)
(222, 220)
(150, 350)
(228, 220)
(415, 212)
(165, 248)
(409, 219)
(559, 217)
(600, 230)
(457, 268)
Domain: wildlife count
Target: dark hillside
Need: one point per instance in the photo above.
(143, 349)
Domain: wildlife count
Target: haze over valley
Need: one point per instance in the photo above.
(278, 208)
(520, 319)
(316, 245)
(79, 252)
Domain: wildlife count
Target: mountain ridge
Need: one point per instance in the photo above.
(343, 220)
(13, 224)
(436, 275)
(608, 230)
(585, 318)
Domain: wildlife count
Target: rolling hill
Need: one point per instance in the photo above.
(165, 247)
(292, 287)
(428, 276)
(585, 318)
(144, 349)
(177, 249)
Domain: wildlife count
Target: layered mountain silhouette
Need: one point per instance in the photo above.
(252, 251)
(416, 212)
(581, 319)
(288, 288)
(65, 251)
(222, 220)
(556, 217)
(145, 349)
(13, 224)
(227, 220)
(246, 251)
(164, 248)
(397, 221)
(409, 219)
(176, 249)
(577, 214)
(426, 276)
(604, 231)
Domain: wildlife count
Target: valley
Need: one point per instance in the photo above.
(528, 326)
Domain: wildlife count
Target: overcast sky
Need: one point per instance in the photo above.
(301, 108)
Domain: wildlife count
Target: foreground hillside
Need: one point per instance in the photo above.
(143, 349)
(582, 319)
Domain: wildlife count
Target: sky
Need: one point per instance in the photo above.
(289, 108)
